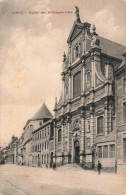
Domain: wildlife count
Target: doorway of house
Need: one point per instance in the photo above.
(77, 151)
(38, 160)
(51, 162)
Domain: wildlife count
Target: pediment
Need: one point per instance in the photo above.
(76, 30)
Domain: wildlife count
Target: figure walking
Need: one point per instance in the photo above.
(99, 167)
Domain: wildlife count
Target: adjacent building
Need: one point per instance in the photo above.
(42, 145)
(42, 116)
(120, 92)
(12, 151)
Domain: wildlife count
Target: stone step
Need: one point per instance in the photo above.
(71, 167)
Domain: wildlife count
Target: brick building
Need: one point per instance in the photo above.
(43, 145)
(84, 121)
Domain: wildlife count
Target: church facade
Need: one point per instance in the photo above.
(84, 120)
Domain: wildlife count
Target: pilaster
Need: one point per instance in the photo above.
(70, 54)
(92, 124)
(106, 108)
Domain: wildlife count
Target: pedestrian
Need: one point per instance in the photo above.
(99, 167)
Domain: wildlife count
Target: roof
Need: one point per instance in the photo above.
(42, 113)
(111, 48)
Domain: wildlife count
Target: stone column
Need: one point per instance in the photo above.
(83, 46)
(62, 138)
(63, 88)
(106, 121)
(55, 141)
(69, 84)
(70, 55)
(82, 144)
(92, 125)
(92, 71)
(69, 135)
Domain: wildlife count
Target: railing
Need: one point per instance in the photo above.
(83, 164)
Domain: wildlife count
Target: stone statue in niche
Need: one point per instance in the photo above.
(67, 89)
(88, 79)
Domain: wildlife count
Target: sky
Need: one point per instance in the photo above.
(32, 47)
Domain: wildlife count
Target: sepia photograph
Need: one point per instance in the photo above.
(63, 97)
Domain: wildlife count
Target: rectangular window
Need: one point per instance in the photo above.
(59, 135)
(124, 112)
(112, 151)
(124, 84)
(99, 151)
(45, 145)
(45, 132)
(40, 147)
(105, 151)
(40, 134)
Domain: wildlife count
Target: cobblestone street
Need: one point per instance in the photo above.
(69, 179)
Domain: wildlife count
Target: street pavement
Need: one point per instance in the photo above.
(66, 180)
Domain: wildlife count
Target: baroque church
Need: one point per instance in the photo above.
(84, 119)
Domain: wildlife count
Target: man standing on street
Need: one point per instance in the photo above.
(99, 167)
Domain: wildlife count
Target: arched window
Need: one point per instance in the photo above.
(59, 135)
(77, 84)
(100, 124)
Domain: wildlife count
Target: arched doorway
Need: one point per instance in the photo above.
(77, 151)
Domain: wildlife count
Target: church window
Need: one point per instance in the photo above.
(59, 135)
(100, 125)
(40, 124)
(77, 84)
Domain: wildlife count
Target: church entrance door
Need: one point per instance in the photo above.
(77, 151)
